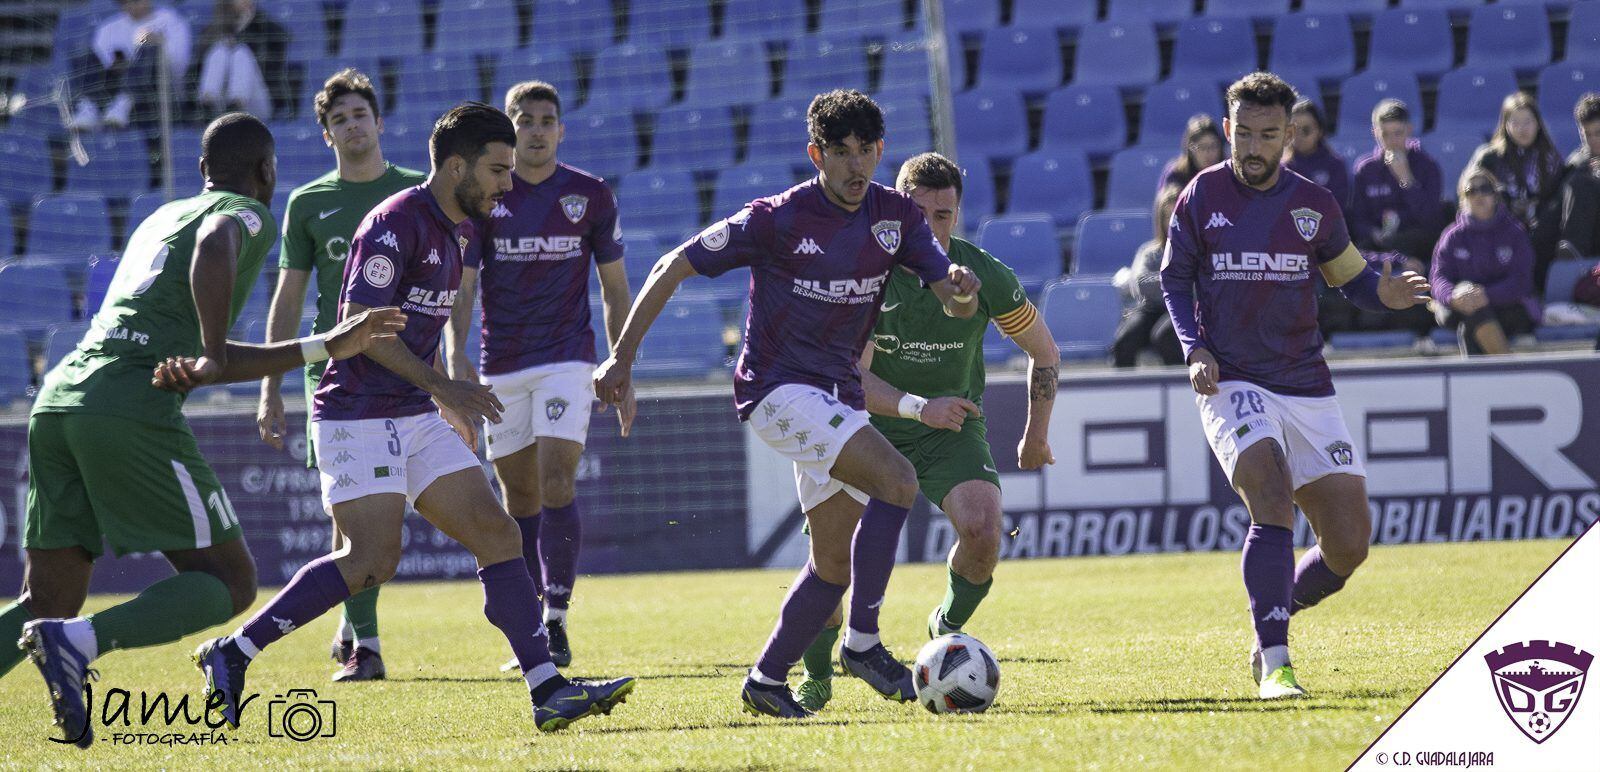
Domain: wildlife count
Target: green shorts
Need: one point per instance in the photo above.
(313, 380)
(94, 479)
(945, 459)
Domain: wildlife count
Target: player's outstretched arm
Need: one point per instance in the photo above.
(282, 320)
(252, 361)
(958, 291)
(613, 380)
(1370, 290)
(1044, 374)
(884, 399)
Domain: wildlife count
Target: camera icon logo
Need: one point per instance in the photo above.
(298, 715)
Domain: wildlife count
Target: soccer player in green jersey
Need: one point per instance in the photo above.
(110, 458)
(924, 378)
(321, 219)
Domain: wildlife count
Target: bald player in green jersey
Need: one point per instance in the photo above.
(321, 219)
(924, 378)
(110, 457)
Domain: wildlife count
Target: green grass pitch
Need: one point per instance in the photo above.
(1107, 663)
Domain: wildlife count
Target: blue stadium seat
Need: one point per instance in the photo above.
(1515, 36)
(1025, 242)
(1135, 173)
(8, 240)
(727, 72)
(1372, 340)
(386, 28)
(1218, 49)
(816, 64)
(1583, 33)
(693, 137)
(991, 122)
(875, 18)
(37, 293)
(1168, 105)
(663, 201)
(436, 82)
(965, 17)
(1027, 59)
(1562, 276)
(1351, 147)
(61, 341)
(778, 134)
(1469, 99)
(977, 191)
(739, 185)
(186, 179)
(69, 224)
(1122, 54)
(601, 143)
(119, 165)
(317, 72)
(1089, 118)
(255, 309)
(907, 130)
(1053, 14)
(547, 63)
(305, 21)
(1363, 91)
(1306, 83)
(1560, 87)
(75, 29)
(102, 268)
(16, 371)
(764, 19)
(141, 207)
(889, 165)
(1359, 10)
(26, 160)
(1106, 240)
(1458, 9)
(669, 25)
(1255, 10)
(1452, 151)
(475, 26)
(997, 349)
(630, 77)
(905, 68)
(1054, 182)
(302, 155)
(1164, 14)
(686, 339)
(571, 24)
(404, 144)
(1410, 40)
(1318, 45)
(1082, 313)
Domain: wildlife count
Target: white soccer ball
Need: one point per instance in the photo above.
(956, 673)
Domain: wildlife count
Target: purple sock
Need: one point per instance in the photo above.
(530, 550)
(872, 554)
(1314, 580)
(1268, 566)
(511, 604)
(559, 538)
(316, 587)
(805, 610)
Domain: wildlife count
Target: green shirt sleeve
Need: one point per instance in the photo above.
(1001, 296)
(299, 251)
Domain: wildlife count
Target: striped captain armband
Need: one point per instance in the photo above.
(1020, 319)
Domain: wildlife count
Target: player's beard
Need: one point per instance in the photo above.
(1268, 168)
(469, 196)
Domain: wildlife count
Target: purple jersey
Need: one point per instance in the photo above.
(817, 275)
(534, 254)
(407, 253)
(1246, 258)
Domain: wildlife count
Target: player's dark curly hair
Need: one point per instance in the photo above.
(839, 114)
(1261, 89)
(930, 171)
(233, 147)
(1588, 108)
(466, 129)
(346, 81)
(536, 90)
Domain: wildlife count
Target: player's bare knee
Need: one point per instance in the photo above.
(522, 496)
(372, 564)
(897, 482)
(831, 568)
(979, 533)
(557, 488)
(1345, 549)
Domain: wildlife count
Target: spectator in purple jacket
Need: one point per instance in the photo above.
(1395, 204)
(1530, 169)
(1483, 270)
(1202, 147)
(1308, 153)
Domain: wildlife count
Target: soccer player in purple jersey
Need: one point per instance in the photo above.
(819, 255)
(1237, 280)
(384, 443)
(538, 350)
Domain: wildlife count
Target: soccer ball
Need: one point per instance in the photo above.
(956, 673)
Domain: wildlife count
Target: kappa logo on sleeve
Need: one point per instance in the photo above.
(388, 240)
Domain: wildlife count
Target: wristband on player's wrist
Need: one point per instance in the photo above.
(313, 349)
(911, 406)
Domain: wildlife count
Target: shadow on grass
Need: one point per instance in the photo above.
(750, 724)
(1352, 700)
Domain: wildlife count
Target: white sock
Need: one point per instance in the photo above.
(347, 633)
(1274, 657)
(80, 634)
(553, 614)
(369, 644)
(857, 641)
(540, 674)
(246, 646)
(755, 675)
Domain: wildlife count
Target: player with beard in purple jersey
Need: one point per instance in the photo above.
(390, 426)
(1237, 280)
(538, 351)
(819, 255)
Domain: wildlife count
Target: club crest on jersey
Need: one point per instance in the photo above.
(555, 408)
(461, 242)
(1341, 453)
(574, 206)
(887, 232)
(1307, 221)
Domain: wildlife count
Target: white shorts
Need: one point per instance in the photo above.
(1311, 430)
(809, 427)
(552, 400)
(386, 455)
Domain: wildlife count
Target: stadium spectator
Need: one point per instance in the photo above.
(1580, 192)
(120, 72)
(1308, 153)
(243, 68)
(1202, 147)
(1522, 157)
(1483, 269)
(1147, 324)
(1395, 202)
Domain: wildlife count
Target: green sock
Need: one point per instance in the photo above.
(12, 618)
(819, 655)
(165, 612)
(961, 598)
(361, 612)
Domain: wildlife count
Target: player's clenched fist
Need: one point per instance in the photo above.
(613, 381)
(964, 282)
(1203, 372)
(948, 412)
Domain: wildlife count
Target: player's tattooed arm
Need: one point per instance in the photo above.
(1042, 383)
(1044, 374)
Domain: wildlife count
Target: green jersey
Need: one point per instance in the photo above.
(322, 217)
(149, 314)
(920, 349)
